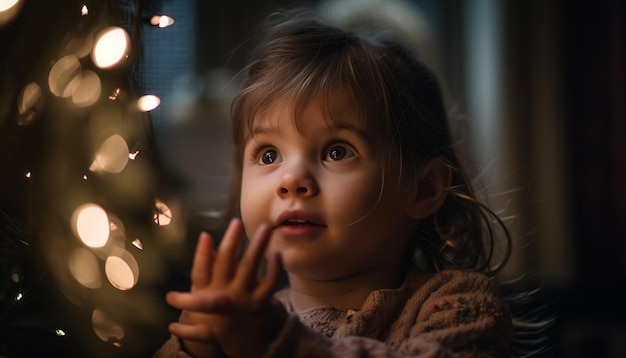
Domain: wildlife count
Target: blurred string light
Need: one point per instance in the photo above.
(80, 75)
(9, 10)
(112, 156)
(111, 47)
(106, 328)
(161, 21)
(148, 102)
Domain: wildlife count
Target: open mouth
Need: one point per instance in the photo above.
(298, 222)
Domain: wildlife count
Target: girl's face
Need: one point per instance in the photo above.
(335, 208)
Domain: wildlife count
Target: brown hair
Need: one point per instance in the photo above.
(302, 56)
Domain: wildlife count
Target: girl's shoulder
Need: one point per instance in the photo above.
(450, 282)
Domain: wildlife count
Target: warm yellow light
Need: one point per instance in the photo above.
(163, 216)
(106, 329)
(65, 76)
(88, 90)
(161, 21)
(122, 271)
(91, 225)
(27, 103)
(113, 96)
(7, 4)
(111, 47)
(137, 243)
(85, 269)
(148, 102)
(59, 332)
(9, 10)
(112, 156)
(31, 93)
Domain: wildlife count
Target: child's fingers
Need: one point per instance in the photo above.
(249, 265)
(202, 261)
(196, 332)
(228, 252)
(266, 288)
(205, 303)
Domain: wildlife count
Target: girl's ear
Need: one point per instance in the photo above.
(431, 189)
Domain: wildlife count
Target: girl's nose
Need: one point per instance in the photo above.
(297, 181)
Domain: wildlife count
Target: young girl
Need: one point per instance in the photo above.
(348, 182)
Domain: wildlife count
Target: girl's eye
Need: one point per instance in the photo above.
(270, 156)
(339, 152)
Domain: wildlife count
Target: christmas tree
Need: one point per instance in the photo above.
(86, 223)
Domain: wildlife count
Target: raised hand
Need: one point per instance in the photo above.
(229, 309)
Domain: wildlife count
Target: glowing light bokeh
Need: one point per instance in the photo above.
(59, 332)
(65, 76)
(7, 4)
(111, 47)
(112, 156)
(91, 225)
(31, 93)
(113, 96)
(106, 328)
(161, 21)
(122, 271)
(9, 10)
(80, 45)
(163, 216)
(84, 10)
(88, 90)
(148, 102)
(137, 243)
(85, 269)
(27, 103)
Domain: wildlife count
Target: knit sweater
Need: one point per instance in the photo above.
(447, 314)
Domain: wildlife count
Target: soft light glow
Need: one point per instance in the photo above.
(137, 243)
(85, 269)
(31, 93)
(148, 102)
(112, 156)
(111, 47)
(27, 103)
(122, 271)
(113, 96)
(163, 216)
(106, 329)
(79, 45)
(19, 296)
(161, 21)
(133, 155)
(7, 4)
(91, 225)
(59, 332)
(28, 174)
(84, 10)
(9, 10)
(88, 90)
(65, 76)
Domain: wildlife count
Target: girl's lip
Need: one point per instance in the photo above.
(307, 220)
(298, 230)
